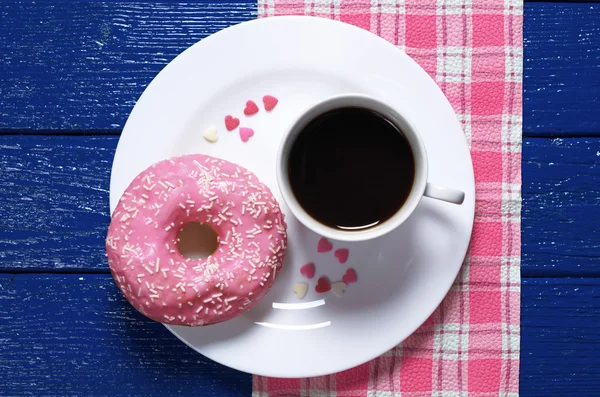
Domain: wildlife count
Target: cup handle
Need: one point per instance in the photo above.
(444, 193)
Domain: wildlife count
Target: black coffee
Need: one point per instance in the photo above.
(351, 169)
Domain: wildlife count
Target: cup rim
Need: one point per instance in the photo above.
(392, 115)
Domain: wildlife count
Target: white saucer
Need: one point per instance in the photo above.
(402, 277)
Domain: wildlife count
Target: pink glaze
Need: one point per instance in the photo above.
(142, 241)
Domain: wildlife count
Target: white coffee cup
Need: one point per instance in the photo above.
(419, 189)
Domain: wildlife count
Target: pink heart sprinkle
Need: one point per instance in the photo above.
(350, 276)
(308, 270)
(342, 255)
(270, 102)
(251, 108)
(246, 133)
(324, 245)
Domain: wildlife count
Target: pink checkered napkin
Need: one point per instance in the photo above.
(470, 345)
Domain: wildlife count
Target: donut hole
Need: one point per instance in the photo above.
(197, 241)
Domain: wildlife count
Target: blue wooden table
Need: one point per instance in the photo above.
(70, 72)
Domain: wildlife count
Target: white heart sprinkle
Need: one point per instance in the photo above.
(211, 134)
(300, 289)
(339, 288)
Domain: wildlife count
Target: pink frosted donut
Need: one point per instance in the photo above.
(142, 241)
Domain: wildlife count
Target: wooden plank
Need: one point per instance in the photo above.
(73, 335)
(93, 343)
(54, 207)
(560, 337)
(561, 86)
(561, 207)
(81, 65)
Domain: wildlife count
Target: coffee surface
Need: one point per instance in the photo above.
(351, 169)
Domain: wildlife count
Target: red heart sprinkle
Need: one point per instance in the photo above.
(323, 285)
(231, 123)
(270, 102)
(324, 245)
(251, 108)
(342, 255)
(350, 276)
(308, 270)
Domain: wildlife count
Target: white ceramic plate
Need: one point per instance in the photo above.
(402, 277)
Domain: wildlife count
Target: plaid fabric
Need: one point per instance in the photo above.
(470, 345)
